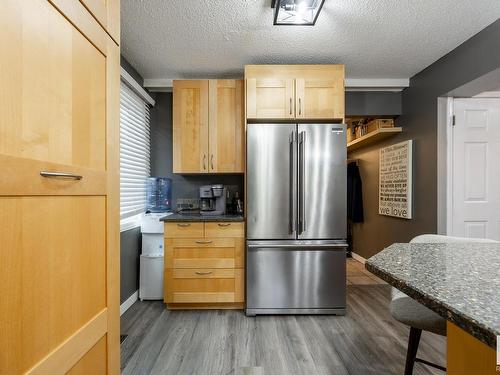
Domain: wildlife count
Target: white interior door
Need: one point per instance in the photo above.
(476, 168)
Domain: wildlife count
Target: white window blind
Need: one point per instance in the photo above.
(134, 152)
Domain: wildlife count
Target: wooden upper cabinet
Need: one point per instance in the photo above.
(208, 128)
(190, 126)
(270, 98)
(295, 92)
(107, 13)
(319, 99)
(226, 126)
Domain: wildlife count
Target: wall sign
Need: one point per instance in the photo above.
(395, 180)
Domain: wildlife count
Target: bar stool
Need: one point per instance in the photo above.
(418, 317)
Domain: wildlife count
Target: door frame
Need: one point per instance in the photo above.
(445, 165)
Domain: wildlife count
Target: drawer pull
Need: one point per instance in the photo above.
(203, 273)
(60, 175)
(183, 225)
(224, 224)
(204, 242)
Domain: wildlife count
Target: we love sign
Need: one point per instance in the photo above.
(395, 180)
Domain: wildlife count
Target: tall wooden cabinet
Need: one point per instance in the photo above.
(59, 189)
(287, 92)
(208, 126)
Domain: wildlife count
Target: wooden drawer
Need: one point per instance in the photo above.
(184, 230)
(202, 285)
(225, 229)
(204, 253)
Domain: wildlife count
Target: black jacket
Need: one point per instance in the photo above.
(354, 194)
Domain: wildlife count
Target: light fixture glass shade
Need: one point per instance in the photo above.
(296, 12)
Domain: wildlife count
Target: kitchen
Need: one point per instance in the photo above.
(216, 202)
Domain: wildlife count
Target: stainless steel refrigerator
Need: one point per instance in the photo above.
(296, 219)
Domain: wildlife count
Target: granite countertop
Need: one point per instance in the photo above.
(197, 217)
(460, 282)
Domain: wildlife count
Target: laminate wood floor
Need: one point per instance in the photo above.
(364, 341)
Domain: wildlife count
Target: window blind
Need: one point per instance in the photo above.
(135, 164)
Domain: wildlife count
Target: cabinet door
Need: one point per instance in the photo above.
(319, 98)
(107, 13)
(59, 257)
(190, 127)
(270, 98)
(226, 130)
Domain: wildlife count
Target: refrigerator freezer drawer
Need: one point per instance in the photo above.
(296, 279)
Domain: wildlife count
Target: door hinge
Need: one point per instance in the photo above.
(453, 120)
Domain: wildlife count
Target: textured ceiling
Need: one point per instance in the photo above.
(167, 39)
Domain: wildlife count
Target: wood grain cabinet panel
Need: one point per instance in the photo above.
(184, 230)
(206, 271)
(59, 110)
(226, 126)
(220, 287)
(270, 98)
(54, 271)
(53, 91)
(225, 229)
(319, 99)
(106, 12)
(286, 92)
(208, 126)
(190, 126)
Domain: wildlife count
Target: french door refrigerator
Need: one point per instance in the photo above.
(296, 219)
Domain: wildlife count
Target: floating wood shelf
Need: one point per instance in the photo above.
(372, 137)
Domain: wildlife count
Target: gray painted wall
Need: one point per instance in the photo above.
(130, 248)
(372, 103)
(183, 186)
(471, 60)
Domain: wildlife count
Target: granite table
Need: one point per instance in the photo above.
(460, 282)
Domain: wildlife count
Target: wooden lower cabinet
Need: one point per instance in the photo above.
(467, 355)
(206, 271)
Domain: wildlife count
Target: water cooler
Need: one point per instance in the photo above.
(151, 260)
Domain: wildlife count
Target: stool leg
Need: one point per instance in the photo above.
(411, 353)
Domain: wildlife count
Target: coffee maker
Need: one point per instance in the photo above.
(213, 200)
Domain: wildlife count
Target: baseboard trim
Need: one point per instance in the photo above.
(129, 302)
(358, 257)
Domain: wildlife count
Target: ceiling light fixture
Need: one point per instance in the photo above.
(296, 12)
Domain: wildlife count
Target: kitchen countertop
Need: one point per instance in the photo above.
(197, 217)
(460, 282)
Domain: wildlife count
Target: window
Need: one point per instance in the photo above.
(134, 151)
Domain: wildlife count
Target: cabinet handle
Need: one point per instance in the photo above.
(224, 224)
(60, 175)
(300, 106)
(203, 273)
(183, 225)
(290, 105)
(212, 161)
(204, 242)
(204, 162)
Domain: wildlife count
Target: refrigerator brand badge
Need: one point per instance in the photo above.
(337, 130)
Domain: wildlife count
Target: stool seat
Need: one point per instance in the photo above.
(410, 312)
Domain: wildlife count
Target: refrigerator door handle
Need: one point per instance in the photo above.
(312, 247)
(302, 204)
(293, 183)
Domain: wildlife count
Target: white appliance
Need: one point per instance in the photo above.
(151, 260)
